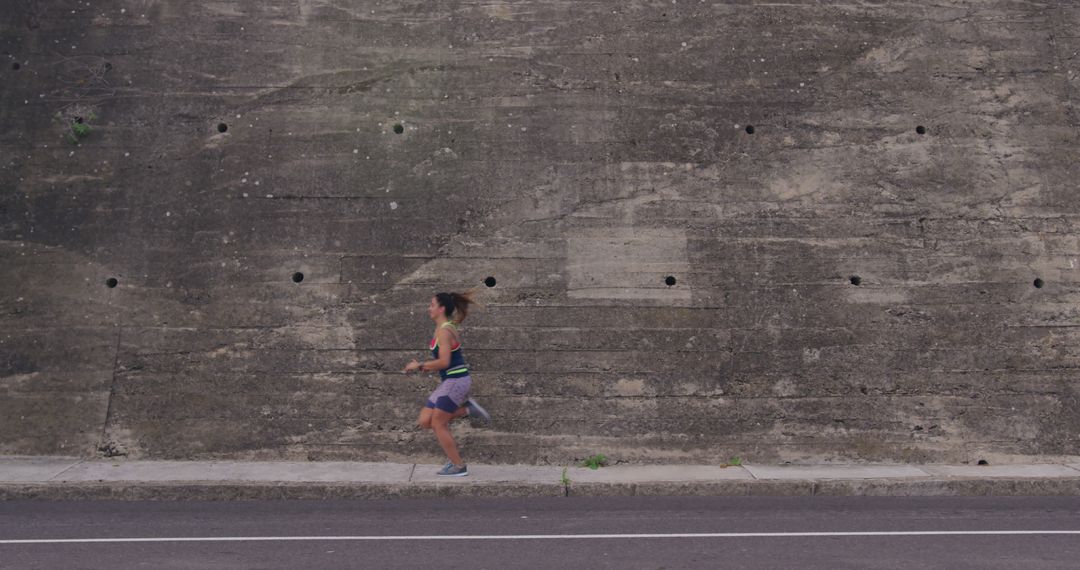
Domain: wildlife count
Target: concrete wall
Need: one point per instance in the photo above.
(578, 152)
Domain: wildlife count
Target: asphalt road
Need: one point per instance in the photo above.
(696, 532)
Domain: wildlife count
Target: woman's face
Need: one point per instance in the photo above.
(434, 309)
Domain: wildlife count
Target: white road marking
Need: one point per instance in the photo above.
(550, 536)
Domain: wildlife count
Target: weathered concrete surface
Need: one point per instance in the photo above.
(985, 471)
(814, 472)
(544, 475)
(579, 153)
(13, 469)
(238, 472)
(656, 474)
(205, 480)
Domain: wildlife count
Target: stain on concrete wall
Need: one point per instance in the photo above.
(782, 231)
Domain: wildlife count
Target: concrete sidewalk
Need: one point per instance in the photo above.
(74, 478)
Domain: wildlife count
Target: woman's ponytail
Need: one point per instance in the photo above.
(462, 302)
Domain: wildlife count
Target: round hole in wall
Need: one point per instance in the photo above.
(920, 129)
(399, 128)
(111, 282)
(490, 281)
(855, 280)
(749, 129)
(222, 127)
(670, 280)
(16, 66)
(983, 462)
(297, 277)
(1039, 283)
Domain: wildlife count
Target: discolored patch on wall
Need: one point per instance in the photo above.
(630, 388)
(628, 263)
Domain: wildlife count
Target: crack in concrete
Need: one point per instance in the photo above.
(112, 390)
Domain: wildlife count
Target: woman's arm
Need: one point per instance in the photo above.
(444, 338)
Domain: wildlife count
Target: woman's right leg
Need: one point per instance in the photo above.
(441, 426)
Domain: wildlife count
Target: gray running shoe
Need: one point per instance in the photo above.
(477, 412)
(451, 470)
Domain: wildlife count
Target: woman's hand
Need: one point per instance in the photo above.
(413, 366)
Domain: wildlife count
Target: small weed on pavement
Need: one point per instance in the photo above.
(595, 462)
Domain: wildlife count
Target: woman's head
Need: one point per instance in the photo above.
(452, 306)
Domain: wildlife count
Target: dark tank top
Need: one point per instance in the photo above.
(457, 366)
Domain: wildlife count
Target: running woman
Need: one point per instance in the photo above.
(450, 399)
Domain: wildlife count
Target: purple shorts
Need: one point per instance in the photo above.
(450, 395)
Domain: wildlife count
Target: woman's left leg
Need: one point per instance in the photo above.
(424, 420)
